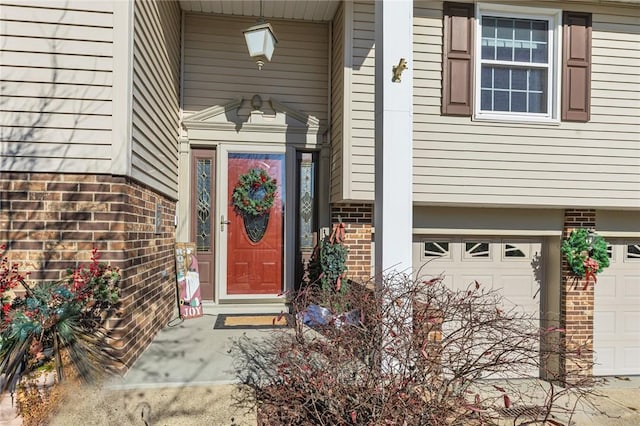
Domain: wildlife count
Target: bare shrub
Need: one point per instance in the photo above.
(414, 352)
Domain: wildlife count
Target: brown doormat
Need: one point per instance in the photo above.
(251, 321)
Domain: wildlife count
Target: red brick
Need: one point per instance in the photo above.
(45, 275)
(25, 245)
(44, 235)
(16, 195)
(93, 226)
(111, 179)
(44, 176)
(76, 196)
(95, 187)
(108, 216)
(62, 186)
(25, 185)
(26, 205)
(78, 178)
(108, 197)
(75, 216)
(76, 235)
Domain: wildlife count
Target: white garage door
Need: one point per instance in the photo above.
(512, 265)
(617, 312)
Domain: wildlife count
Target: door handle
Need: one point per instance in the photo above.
(223, 223)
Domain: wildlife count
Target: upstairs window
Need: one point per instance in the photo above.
(527, 64)
(516, 65)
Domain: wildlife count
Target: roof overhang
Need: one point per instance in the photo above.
(308, 10)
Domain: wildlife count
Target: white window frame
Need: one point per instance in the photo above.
(554, 17)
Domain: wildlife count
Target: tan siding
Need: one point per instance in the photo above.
(337, 104)
(362, 114)
(156, 77)
(573, 164)
(218, 69)
(56, 84)
(617, 223)
(62, 61)
(442, 220)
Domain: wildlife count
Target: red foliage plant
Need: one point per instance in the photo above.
(51, 317)
(415, 352)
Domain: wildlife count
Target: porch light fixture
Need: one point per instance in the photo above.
(590, 239)
(261, 41)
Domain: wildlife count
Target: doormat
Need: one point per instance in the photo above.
(251, 321)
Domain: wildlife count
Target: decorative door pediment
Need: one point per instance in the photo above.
(255, 119)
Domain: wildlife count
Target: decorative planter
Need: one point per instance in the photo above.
(36, 384)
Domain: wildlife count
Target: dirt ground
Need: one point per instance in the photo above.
(179, 406)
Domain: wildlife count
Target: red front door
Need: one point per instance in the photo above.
(255, 242)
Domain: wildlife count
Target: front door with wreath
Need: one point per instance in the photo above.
(255, 225)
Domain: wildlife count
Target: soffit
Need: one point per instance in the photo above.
(309, 10)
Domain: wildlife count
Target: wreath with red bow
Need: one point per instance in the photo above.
(255, 193)
(586, 253)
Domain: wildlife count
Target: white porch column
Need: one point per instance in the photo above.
(393, 218)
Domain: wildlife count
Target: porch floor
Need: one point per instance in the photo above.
(187, 377)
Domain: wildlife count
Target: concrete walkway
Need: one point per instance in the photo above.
(186, 377)
(620, 400)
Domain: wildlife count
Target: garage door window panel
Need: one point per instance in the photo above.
(516, 251)
(477, 250)
(633, 252)
(436, 249)
(610, 253)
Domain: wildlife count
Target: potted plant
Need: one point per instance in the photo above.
(327, 273)
(55, 320)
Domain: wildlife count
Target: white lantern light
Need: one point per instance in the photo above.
(261, 42)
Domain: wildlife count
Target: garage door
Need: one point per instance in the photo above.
(617, 312)
(512, 265)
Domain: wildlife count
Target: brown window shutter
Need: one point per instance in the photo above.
(576, 67)
(457, 59)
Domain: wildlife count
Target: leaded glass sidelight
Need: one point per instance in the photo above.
(203, 204)
(306, 197)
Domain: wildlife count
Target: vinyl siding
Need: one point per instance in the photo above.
(337, 103)
(487, 221)
(56, 86)
(594, 164)
(218, 69)
(465, 162)
(362, 103)
(156, 81)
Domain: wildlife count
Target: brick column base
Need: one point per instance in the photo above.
(576, 308)
(358, 219)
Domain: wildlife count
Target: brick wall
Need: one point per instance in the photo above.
(358, 219)
(576, 302)
(51, 222)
